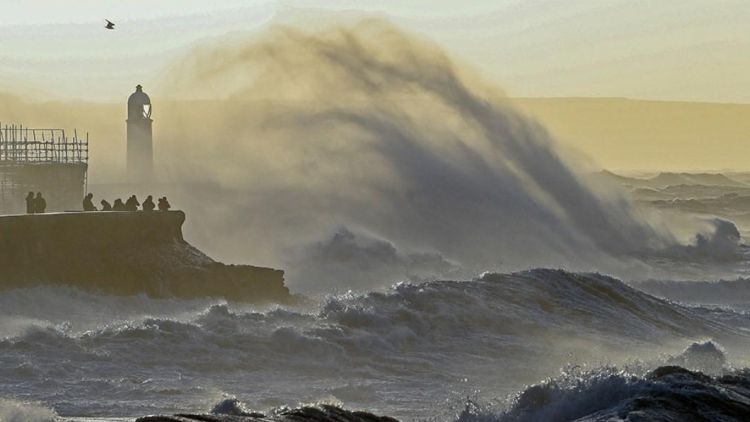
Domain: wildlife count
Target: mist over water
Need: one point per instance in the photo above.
(362, 155)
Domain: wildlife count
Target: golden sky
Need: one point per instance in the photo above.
(645, 136)
(687, 50)
(678, 55)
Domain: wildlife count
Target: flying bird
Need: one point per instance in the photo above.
(109, 24)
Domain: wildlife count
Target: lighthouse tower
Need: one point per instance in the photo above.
(140, 140)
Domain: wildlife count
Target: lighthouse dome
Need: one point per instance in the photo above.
(139, 104)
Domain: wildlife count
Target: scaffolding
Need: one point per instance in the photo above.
(42, 160)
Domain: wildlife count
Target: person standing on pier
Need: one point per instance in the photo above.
(40, 204)
(164, 204)
(88, 203)
(148, 204)
(132, 204)
(30, 203)
(118, 205)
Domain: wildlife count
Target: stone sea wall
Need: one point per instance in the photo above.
(124, 253)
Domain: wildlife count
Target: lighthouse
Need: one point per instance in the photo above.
(140, 140)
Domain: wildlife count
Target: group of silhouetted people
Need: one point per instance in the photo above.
(131, 204)
(35, 204)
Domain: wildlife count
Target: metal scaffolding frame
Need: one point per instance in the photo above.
(27, 145)
(41, 160)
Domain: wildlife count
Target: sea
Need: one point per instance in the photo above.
(534, 345)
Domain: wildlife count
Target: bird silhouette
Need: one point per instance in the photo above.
(109, 24)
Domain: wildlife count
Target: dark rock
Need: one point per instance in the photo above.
(321, 413)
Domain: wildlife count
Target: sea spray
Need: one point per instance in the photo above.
(18, 411)
(370, 131)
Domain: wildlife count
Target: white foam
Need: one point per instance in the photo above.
(18, 411)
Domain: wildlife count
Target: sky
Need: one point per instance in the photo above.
(687, 50)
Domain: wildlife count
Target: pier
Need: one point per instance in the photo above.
(124, 253)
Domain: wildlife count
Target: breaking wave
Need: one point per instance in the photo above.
(734, 293)
(232, 410)
(359, 155)
(666, 393)
(17, 411)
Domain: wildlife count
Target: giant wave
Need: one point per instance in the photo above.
(358, 154)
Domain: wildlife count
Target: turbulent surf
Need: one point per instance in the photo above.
(400, 353)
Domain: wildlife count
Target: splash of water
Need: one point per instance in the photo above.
(359, 155)
(375, 132)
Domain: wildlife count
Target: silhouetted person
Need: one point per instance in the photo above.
(30, 203)
(148, 204)
(164, 204)
(106, 206)
(132, 204)
(40, 204)
(118, 205)
(88, 203)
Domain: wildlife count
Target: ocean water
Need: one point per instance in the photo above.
(415, 351)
